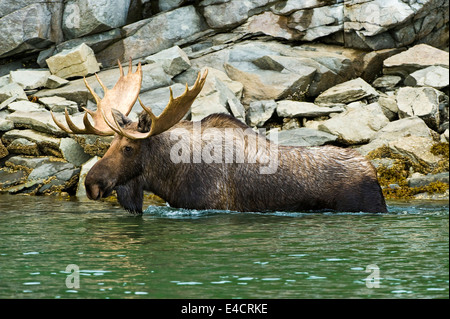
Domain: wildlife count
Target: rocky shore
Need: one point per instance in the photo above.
(370, 75)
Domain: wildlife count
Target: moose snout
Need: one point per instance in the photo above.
(93, 191)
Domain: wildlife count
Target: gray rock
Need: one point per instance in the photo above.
(6, 102)
(6, 125)
(418, 57)
(55, 81)
(159, 32)
(73, 152)
(236, 108)
(422, 102)
(3, 150)
(27, 162)
(97, 42)
(267, 85)
(207, 105)
(59, 104)
(42, 121)
(290, 6)
(5, 80)
(47, 170)
(230, 13)
(417, 149)
(83, 17)
(380, 24)
(79, 61)
(356, 125)
(169, 4)
(304, 137)
(25, 106)
(304, 109)
(397, 130)
(62, 181)
(322, 79)
(12, 90)
(81, 190)
(269, 24)
(10, 178)
(33, 136)
(26, 30)
(445, 135)
(383, 162)
(386, 82)
(23, 146)
(389, 106)
(419, 180)
(434, 76)
(347, 92)
(173, 60)
(318, 22)
(93, 145)
(30, 79)
(259, 112)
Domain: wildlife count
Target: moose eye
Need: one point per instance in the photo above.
(127, 149)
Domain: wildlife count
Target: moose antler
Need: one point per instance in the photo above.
(121, 97)
(171, 115)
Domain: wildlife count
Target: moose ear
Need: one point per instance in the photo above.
(144, 122)
(121, 119)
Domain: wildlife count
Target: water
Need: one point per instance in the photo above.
(170, 253)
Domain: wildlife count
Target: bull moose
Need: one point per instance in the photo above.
(158, 154)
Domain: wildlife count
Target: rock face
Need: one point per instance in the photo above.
(371, 75)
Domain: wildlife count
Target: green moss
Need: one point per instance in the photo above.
(400, 170)
(441, 149)
(406, 192)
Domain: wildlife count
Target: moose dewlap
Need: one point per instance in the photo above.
(216, 163)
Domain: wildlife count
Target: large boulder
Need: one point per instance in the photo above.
(26, 29)
(259, 112)
(82, 17)
(12, 91)
(398, 130)
(422, 102)
(357, 125)
(79, 61)
(288, 108)
(304, 137)
(262, 84)
(347, 92)
(173, 60)
(147, 37)
(416, 58)
(30, 79)
(230, 13)
(433, 76)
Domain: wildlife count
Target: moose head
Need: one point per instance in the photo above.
(123, 161)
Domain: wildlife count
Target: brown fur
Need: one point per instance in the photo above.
(307, 178)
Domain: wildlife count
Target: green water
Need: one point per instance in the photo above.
(170, 253)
